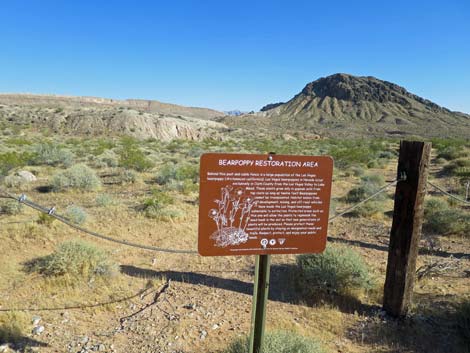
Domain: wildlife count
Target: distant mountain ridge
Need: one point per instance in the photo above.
(347, 105)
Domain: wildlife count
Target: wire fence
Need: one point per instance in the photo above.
(51, 212)
(449, 194)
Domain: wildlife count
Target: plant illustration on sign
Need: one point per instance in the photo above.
(231, 217)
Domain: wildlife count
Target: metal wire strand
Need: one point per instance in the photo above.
(448, 194)
(24, 200)
(51, 212)
(381, 190)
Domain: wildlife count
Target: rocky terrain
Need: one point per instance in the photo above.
(346, 105)
(97, 116)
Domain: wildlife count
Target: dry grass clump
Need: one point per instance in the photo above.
(13, 325)
(278, 342)
(75, 259)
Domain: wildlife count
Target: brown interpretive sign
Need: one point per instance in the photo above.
(263, 204)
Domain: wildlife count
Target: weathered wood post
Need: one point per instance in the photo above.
(413, 163)
(260, 300)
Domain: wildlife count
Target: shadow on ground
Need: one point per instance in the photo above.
(283, 287)
(438, 324)
(18, 342)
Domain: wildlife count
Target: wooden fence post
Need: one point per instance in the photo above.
(413, 163)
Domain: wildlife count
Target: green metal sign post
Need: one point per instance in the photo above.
(260, 299)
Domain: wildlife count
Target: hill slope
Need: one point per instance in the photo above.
(347, 105)
(101, 116)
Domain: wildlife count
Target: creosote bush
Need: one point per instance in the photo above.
(74, 259)
(441, 219)
(131, 156)
(11, 160)
(158, 206)
(182, 178)
(80, 176)
(338, 269)
(278, 342)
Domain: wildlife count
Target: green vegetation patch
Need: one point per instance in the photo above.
(131, 156)
(338, 269)
(11, 160)
(159, 206)
(278, 342)
(74, 259)
(80, 176)
(51, 154)
(442, 219)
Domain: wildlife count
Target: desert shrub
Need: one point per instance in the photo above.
(14, 181)
(127, 177)
(12, 327)
(109, 159)
(440, 218)
(45, 219)
(76, 214)
(10, 207)
(11, 160)
(368, 209)
(158, 206)
(18, 141)
(101, 146)
(357, 171)
(74, 259)
(50, 154)
(458, 168)
(79, 176)
(338, 269)
(354, 152)
(278, 342)
(463, 323)
(369, 185)
(171, 172)
(131, 156)
(185, 186)
(104, 200)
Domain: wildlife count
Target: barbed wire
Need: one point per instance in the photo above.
(382, 189)
(51, 212)
(449, 194)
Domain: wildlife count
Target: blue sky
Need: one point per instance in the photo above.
(232, 54)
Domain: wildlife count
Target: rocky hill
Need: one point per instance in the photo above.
(100, 116)
(346, 105)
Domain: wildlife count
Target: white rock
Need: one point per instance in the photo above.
(36, 320)
(27, 176)
(4, 348)
(38, 330)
